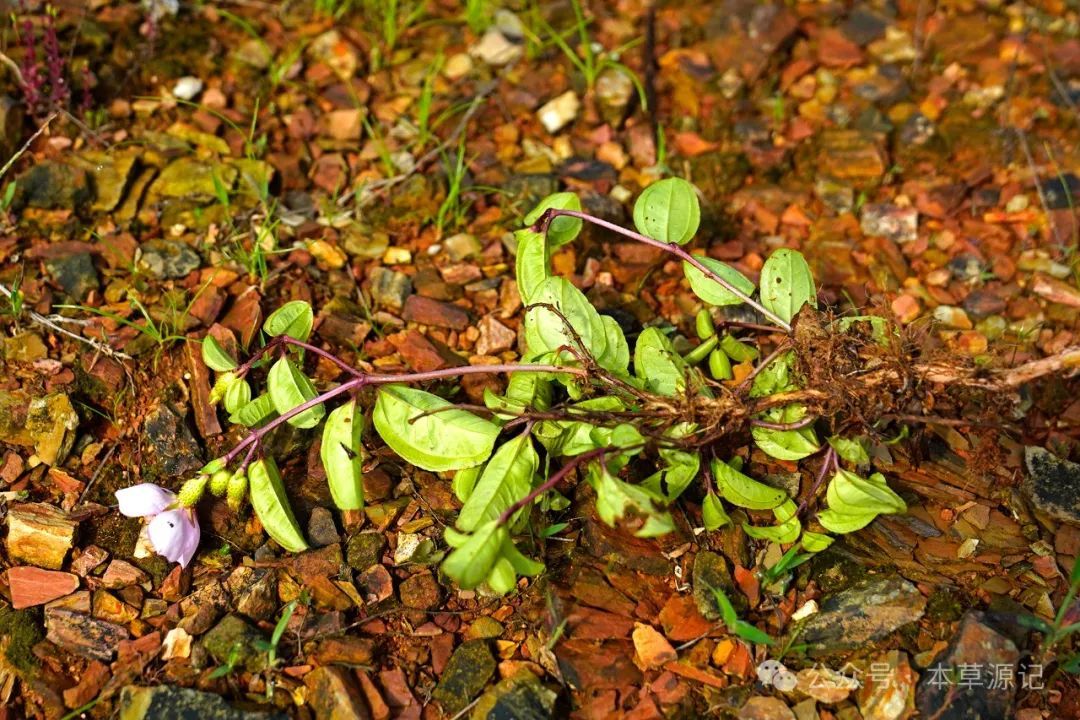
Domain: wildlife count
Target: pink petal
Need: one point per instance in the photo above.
(143, 500)
(175, 535)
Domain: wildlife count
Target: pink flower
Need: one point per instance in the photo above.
(173, 533)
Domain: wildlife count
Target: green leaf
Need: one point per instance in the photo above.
(658, 365)
(530, 389)
(880, 328)
(616, 357)
(615, 499)
(563, 229)
(713, 514)
(506, 478)
(574, 437)
(680, 469)
(293, 319)
(531, 264)
(713, 292)
(272, 507)
(727, 610)
(546, 332)
(743, 491)
(851, 450)
(787, 284)
(815, 542)
(751, 634)
(255, 412)
(237, 395)
(842, 523)
(289, 388)
(786, 444)
(776, 377)
(522, 565)
(215, 356)
(341, 456)
(474, 555)
(848, 493)
(720, 365)
(1074, 578)
(737, 350)
(668, 211)
(464, 481)
(502, 577)
(420, 428)
(788, 529)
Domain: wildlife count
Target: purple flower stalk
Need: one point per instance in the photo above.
(173, 531)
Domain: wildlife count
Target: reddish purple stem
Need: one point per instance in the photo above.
(552, 482)
(673, 248)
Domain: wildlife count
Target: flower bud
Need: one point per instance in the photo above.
(192, 491)
(219, 482)
(237, 490)
(224, 382)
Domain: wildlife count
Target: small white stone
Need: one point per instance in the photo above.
(495, 49)
(187, 88)
(177, 644)
(457, 66)
(559, 111)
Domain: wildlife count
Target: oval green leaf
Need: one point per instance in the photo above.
(237, 395)
(841, 523)
(668, 211)
(293, 319)
(474, 555)
(850, 494)
(531, 263)
(342, 458)
(428, 432)
(713, 292)
(272, 507)
(562, 229)
(787, 284)
(658, 365)
(289, 388)
(546, 331)
(215, 356)
(255, 412)
(713, 514)
(743, 491)
(506, 478)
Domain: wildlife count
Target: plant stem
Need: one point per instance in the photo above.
(830, 460)
(323, 354)
(362, 380)
(762, 365)
(542, 224)
(551, 482)
(797, 425)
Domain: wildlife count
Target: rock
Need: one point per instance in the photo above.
(333, 694)
(26, 347)
(170, 702)
(169, 449)
(851, 156)
(52, 185)
(389, 288)
(558, 112)
(187, 88)
(521, 696)
(90, 559)
(825, 685)
(494, 337)
(75, 273)
(1056, 291)
(614, 93)
(364, 550)
(765, 708)
(234, 632)
(177, 644)
(420, 591)
(864, 25)
(466, 674)
(865, 612)
(258, 600)
(46, 424)
(39, 534)
(168, 258)
(901, 225)
(321, 529)
(82, 634)
(426, 311)
(462, 246)
(344, 650)
(31, 586)
(711, 571)
(1052, 485)
(191, 179)
(457, 66)
(496, 49)
(345, 125)
(484, 627)
(1060, 192)
(888, 689)
(959, 684)
(952, 317)
(337, 53)
(111, 172)
(121, 574)
(651, 649)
